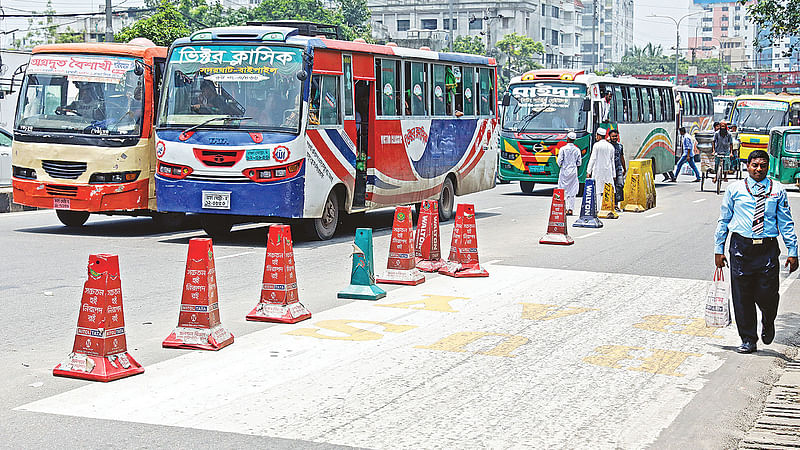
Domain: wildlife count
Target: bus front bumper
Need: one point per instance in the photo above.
(543, 174)
(81, 197)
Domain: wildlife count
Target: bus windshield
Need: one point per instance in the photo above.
(97, 95)
(254, 81)
(791, 142)
(759, 115)
(545, 106)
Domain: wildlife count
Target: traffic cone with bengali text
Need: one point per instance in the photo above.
(463, 259)
(401, 268)
(588, 217)
(427, 247)
(279, 300)
(362, 275)
(557, 225)
(99, 352)
(607, 209)
(199, 326)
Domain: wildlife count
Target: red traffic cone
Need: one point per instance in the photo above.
(279, 300)
(427, 250)
(100, 350)
(401, 268)
(199, 326)
(557, 226)
(463, 260)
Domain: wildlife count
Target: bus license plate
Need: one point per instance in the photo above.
(537, 169)
(216, 200)
(61, 203)
(257, 155)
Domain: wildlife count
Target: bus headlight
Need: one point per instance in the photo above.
(259, 174)
(114, 177)
(23, 172)
(509, 156)
(790, 163)
(173, 170)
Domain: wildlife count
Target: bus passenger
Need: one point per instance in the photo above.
(209, 101)
(601, 164)
(87, 104)
(569, 160)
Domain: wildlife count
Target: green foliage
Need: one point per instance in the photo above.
(163, 27)
(68, 36)
(778, 18)
(469, 44)
(651, 59)
(522, 53)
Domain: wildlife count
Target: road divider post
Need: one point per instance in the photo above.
(100, 352)
(401, 267)
(362, 275)
(588, 217)
(427, 240)
(607, 210)
(463, 259)
(640, 190)
(557, 224)
(279, 300)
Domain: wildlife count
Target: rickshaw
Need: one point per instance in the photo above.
(705, 148)
(784, 155)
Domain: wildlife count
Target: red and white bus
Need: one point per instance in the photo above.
(262, 123)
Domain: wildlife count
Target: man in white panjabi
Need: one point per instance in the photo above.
(569, 160)
(601, 164)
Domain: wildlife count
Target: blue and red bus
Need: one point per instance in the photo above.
(261, 123)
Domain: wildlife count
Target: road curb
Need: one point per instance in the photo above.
(7, 202)
(778, 426)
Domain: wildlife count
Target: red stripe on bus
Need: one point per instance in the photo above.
(401, 198)
(330, 158)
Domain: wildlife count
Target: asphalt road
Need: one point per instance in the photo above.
(595, 345)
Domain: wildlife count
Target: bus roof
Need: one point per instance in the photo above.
(289, 35)
(583, 78)
(787, 98)
(683, 88)
(103, 49)
(784, 129)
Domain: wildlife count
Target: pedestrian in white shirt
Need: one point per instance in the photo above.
(601, 164)
(569, 160)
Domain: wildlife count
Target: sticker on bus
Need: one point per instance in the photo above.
(61, 203)
(258, 154)
(216, 200)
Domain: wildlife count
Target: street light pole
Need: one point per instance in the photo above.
(677, 35)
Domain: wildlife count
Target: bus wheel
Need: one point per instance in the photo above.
(446, 200)
(168, 221)
(216, 226)
(324, 228)
(72, 218)
(526, 186)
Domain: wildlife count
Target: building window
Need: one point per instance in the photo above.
(475, 24)
(544, 10)
(506, 22)
(544, 33)
(403, 24)
(554, 37)
(446, 24)
(555, 12)
(429, 24)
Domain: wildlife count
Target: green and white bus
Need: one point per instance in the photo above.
(542, 106)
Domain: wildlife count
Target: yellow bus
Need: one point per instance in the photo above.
(755, 115)
(83, 138)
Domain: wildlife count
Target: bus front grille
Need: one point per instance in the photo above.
(220, 178)
(61, 191)
(69, 170)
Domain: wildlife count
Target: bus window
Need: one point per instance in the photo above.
(492, 96)
(458, 73)
(416, 88)
(626, 96)
(647, 112)
(325, 100)
(348, 86)
(658, 105)
(486, 91)
(468, 75)
(388, 90)
(450, 89)
(619, 107)
(438, 89)
(636, 106)
(669, 103)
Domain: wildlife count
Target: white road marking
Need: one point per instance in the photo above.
(491, 209)
(233, 256)
(699, 200)
(787, 283)
(494, 261)
(269, 383)
(587, 235)
(793, 194)
(10, 215)
(654, 215)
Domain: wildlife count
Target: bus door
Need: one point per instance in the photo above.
(364, 76)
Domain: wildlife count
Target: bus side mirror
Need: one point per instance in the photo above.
(587, 104)
(302, 75)
(138, 68)
(506, 99)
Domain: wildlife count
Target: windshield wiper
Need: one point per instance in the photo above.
(526, 119)
(206, 122)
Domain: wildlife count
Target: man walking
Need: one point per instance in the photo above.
(601, 164)
(619, 167)
(687, 156)
(569, 160)
(755, 210)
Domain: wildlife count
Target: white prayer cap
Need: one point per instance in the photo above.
(572, 136)
(601, 131)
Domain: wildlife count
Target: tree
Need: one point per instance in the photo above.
(521, 51)
(469, 44)
(68, 36)
(163, 27)
(777, 18)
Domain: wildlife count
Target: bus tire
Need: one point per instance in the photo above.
(446, 200)
(324, 228)
(72, 218)
(526, 186)
(216, 226)
(168, 221)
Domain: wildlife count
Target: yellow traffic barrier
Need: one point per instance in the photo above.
(607, 209)
(640, 190)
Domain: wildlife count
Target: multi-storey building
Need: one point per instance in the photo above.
(555, 23)
(607, 32)
(723, 30)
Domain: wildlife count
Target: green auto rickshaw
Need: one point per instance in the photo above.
(784, 155)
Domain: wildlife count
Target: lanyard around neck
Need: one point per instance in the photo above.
(747, 185)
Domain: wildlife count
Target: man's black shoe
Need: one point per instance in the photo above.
(768, 334)
(746, 347)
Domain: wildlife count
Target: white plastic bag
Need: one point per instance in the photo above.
(718, 308)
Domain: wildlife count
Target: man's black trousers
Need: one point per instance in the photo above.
(754, 281)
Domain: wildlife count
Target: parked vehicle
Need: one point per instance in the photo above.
(784, 155)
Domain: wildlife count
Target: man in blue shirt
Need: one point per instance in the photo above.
(688, 148)
(755, 210)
